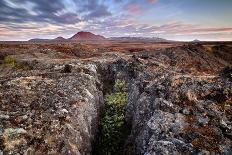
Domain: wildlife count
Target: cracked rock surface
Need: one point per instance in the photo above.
(50, 112)
(176, 111)
(180, 100)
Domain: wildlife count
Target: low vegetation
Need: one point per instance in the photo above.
(11, 61)
(113, 129)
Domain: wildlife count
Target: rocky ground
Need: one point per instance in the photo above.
(51, 99)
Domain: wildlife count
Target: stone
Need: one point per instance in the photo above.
(2, 116)
(203, 120)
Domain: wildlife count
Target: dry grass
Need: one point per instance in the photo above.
(207, 139)
(208, 48)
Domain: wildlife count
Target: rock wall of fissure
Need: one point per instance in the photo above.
(174, 112)
(50, 111)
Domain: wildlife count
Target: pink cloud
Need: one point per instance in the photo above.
(134, 8)
(183, 28)
(152, 1)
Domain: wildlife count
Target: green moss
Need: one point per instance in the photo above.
(113, 129)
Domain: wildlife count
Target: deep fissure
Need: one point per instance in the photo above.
(113, 129)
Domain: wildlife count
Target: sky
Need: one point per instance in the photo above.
(169, 19)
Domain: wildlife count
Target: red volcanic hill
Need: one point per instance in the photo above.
(83, 36)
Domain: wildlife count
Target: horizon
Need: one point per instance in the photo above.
(178, 20)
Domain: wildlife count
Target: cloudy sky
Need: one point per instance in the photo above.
(170, 19)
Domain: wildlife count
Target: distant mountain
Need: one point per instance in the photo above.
(196, 41)
(86, 36)
(59, 39)
(154, 39)
(38, 40)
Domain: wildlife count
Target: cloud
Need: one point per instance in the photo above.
(8, 13)
(44, 11)
(115, 27)
(152, 1)
(52, 11)
(92, 9)
(132, 28)
(100, 11)
(181, 28)
(49, 18)
(134, 8)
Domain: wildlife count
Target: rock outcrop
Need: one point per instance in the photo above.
(176, 111)
(51, 111)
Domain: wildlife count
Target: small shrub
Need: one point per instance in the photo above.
(120, 86)
(113, 129)
(10, 60)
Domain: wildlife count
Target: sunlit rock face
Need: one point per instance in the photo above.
(51, 112)
(184, 115)
(180, 110)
